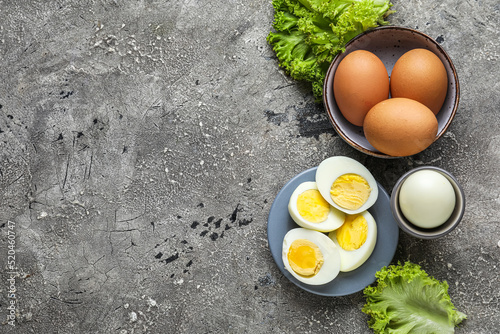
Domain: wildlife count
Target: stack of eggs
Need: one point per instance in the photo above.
(336, 233)
(403, 122)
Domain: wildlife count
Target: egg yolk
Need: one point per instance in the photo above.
(353, 233)
(312, 206)
(305, 257)
(350, 191)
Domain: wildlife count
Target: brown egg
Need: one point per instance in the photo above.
(420, 75)
(360, 82)
(400, 127)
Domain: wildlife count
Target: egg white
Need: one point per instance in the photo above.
(331, 265)
(332, 168)
(427, 199)
(335, 217)
(353, 259)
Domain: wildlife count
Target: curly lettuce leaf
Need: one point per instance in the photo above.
(407, 300)
(310, 33)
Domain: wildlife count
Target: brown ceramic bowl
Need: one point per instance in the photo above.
(388, 43)
(433, 233)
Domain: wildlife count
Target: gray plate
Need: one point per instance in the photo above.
(279, 223)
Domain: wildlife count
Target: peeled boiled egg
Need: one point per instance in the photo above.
(421, 76)
(400, 127)
(310, 256)
(356, 240)
(346, 184)
(427, 199)
(360, 82)
(310, 210)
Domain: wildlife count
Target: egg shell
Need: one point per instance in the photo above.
(331, 256)
(335, 217)
(400, 127)
(360, 82)
(331, 168)
(351, 260)
(420, 75)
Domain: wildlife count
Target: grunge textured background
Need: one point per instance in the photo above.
(142, 144)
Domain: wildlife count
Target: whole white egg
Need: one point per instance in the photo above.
(354, 258)
(335, 168)
(427, 199)
(309, 209)
(297, 252)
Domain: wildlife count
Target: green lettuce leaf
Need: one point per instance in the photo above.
(310, 33)
(407, 300)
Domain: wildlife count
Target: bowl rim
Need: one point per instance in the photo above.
(403, 222)
(329, 73)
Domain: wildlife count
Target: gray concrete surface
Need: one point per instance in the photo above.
(142, 144)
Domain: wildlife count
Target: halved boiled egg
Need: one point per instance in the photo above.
(356, 240)
(310, 210)
(346, 184)
(310, 256)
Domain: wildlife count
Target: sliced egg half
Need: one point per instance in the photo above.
(356, 240)
(346, 184)
(310, 256)
(309, 209)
